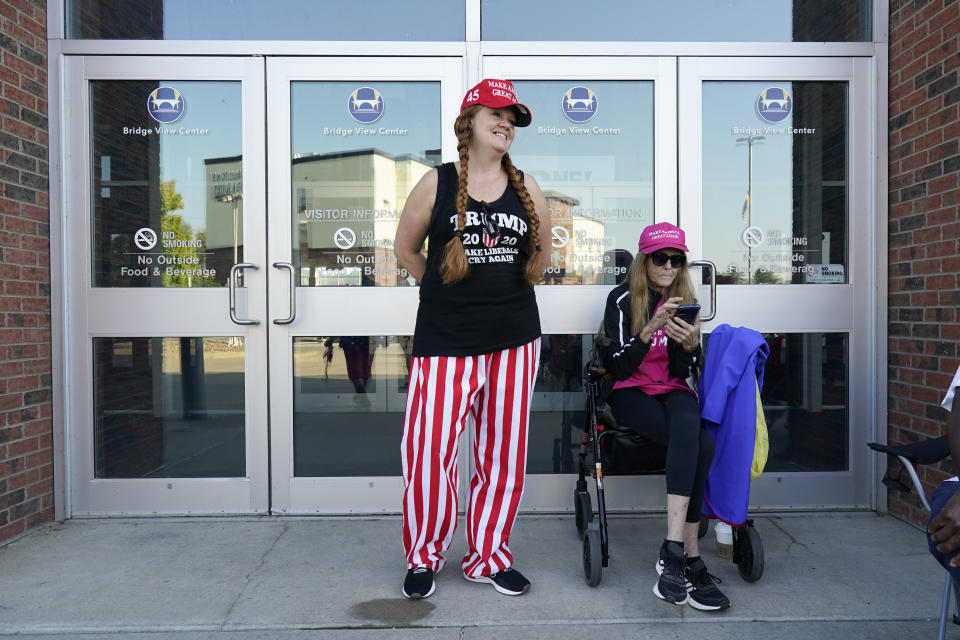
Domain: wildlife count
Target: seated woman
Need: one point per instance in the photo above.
(650, 355)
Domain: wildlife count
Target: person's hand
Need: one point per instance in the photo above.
(945, 529)
(688, 335)
(663, 314)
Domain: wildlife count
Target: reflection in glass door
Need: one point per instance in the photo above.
(357, 135)
(164, 421)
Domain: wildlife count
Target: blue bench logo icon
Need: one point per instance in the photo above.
(774, 104)
(365, 105)
(579, 104)
(166, 104)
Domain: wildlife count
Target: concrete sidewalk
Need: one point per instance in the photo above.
(847, 575)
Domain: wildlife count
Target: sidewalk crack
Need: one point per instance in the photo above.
(793, 540)
(246, 584)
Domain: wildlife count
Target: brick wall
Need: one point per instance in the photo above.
(924, 227)
(26, 425)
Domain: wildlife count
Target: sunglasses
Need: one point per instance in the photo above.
(488, 220)
(676, 261)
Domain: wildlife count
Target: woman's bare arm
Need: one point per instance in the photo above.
(414, 224)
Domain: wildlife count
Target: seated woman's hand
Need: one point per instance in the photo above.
(688, 335)
(663, 314)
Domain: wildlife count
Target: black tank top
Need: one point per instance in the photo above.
(494, 307)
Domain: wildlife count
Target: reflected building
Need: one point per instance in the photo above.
(829, 20)
(820, 199)
(582, 243)
(577, 242)
(561, 219)
(346, 207)
(224, 212)
(141, 20)
(126, 194)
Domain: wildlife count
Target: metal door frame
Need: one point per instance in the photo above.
(142, 312)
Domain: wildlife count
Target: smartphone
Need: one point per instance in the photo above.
(687, 312)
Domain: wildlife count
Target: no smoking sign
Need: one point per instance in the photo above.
(345, 238)
(145, 238)
(753, 236)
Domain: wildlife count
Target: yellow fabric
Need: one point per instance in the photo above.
(761, 446)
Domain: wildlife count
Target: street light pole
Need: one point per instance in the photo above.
(750, 140)
(234, 199)
(235, 233)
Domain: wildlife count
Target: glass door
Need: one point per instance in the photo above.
(165, 410)
(348, 140)
(602, 146)
(775, 180)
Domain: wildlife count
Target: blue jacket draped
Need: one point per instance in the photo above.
(732, 373)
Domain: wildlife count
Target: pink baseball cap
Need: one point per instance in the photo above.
(497, 94)
(661, 236)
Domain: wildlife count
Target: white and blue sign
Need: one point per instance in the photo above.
(166, 104)
(579, 104)
(774, 104)
(365, 105)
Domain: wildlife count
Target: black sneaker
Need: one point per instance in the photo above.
(672, 585)
(704, 594)
(419, 583)
(508, 582)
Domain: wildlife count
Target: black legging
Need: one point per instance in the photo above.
(673, 420)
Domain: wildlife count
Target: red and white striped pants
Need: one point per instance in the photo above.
(495, 390)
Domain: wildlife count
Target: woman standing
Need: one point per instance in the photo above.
(476, 343)
(651, 354)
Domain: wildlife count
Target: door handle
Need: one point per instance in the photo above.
(712, 268)
(293, 293)
(234, 272)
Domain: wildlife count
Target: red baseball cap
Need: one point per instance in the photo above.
(497, 94)
(661, 236)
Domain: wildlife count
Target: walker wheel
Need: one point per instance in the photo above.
(583, 509)
(749, 554)
(592, 560)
